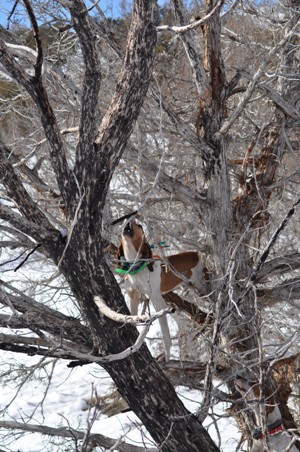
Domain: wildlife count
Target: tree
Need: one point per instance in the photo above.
(238, 127)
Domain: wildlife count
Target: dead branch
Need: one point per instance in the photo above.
(272, 241)
(278, 100)
(27, 257)
(64, 432)
(38, 315)
(133, 319)
(255, 79)
(39, 95)
(278, 266)
(195, 313)
(192, 25)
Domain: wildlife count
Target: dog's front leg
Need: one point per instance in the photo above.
(159, 303)
(134, 298)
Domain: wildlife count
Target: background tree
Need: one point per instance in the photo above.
(193, 124)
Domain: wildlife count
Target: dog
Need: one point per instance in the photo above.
(152, 276)
(279, 439)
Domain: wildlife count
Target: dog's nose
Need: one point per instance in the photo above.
(127, 229)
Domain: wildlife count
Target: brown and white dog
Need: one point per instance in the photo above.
(155, 277)
(278, 438)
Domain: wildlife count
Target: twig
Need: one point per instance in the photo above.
(12, 260)
(252, 85)
(12, 13)
(272, 241)
(262, 259)
(91, 418)
(124, 217)
(28, 255)
(231, 286)
(72, 433)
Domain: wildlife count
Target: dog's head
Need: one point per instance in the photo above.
(134, 242)
(134, 232)
(251, 392)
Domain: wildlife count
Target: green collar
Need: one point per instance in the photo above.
(131, 267)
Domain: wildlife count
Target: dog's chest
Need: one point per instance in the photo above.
(147, 282)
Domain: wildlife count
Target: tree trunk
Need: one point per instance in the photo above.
(138, 378)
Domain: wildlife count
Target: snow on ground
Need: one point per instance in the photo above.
(63, 406)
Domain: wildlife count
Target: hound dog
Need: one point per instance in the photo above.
(151, 276)
(278, 438)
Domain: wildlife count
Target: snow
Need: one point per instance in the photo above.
(66, 389)
(64, 406)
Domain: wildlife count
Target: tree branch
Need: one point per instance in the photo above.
(169, 184)
(45, 236)
(278, 100)
(132, 319)
(195, 313)
(63, 327)
(19, 166)
(182, 128)
(253, 83)
(90, 87)
(42, 317)
(95, 439)
(38, 93)
(196, 61)
(17, 192)
(118, 122)
(39, 61)
(286, 292)
(70, 351)
(272, 241)
(30, 56)
(278, 266)
(183, 28)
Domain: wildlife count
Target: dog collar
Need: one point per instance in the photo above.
(272, 430)
(275, 430)
(131, 267)
(162, 244)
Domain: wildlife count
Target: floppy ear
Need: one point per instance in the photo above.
(146, 253)
(120, 252)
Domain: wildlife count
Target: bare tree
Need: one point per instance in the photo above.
(193, 127)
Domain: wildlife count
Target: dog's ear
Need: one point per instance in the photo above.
(146, 253)
(120, 253)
